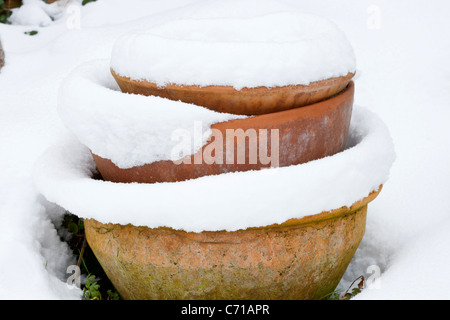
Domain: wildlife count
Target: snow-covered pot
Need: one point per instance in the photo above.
(298, 259)
(303, 134)
(246, 101)
(247, 66)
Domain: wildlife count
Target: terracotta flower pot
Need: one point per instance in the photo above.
(10, 4)
(298, 259)
(305, 134)
(247, 101)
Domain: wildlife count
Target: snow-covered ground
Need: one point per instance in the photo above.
(403, 75)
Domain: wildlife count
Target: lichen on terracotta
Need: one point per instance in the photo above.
(301, 259)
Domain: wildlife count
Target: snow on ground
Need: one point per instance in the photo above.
(403, 75)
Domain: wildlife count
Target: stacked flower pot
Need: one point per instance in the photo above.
(285, 109)
(301, 257)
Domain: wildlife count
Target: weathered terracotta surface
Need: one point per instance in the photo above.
(247, 101)
(299, 259)
(305, 134)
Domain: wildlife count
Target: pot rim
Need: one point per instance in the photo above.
(326, 215)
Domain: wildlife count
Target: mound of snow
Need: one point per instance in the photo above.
(130, 130)
(30, 15)
(270, 50)
(229, 201)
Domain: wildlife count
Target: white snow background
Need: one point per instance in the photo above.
(403, 75)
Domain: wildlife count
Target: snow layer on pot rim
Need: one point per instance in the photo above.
(130, 130)
(229, 201)
(277, 49)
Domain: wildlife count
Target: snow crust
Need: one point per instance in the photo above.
(278, 49)
(229, 201)
(130, 130)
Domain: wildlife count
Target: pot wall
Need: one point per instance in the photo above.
(247, 101)
(305, 134)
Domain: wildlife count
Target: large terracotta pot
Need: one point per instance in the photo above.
(299, 259)
(305, 134)
(247, 101)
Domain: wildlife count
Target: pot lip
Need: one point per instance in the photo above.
(293, 222)
(233, 201)
(107, 120)
(312, 86)
(307, 111)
